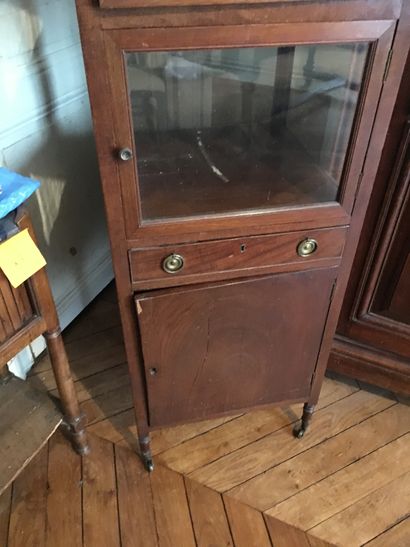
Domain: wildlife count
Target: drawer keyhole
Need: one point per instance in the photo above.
(153, 371)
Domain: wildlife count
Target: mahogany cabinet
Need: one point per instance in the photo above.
(373, 335)
(235, 148)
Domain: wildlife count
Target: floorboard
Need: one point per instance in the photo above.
(240, 481)
(283, 535)
(376, 511)
(224, 440)
(247, 524)
(5, 508)
(100, 511)
(28, 418)
(28, 515)
(172, 515)
(135, 507)
(208, 516)
(397, 536)
(259, 456)
(339, 491)
(64, 527)
(298, 473)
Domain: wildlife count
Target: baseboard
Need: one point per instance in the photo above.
(371, 365)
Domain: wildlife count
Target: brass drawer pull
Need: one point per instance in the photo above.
(307, 247)
(173, 263)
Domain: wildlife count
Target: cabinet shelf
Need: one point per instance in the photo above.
(217, 172)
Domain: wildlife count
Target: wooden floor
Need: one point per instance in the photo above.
(242, 480)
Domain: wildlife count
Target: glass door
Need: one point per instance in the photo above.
(231, 126)
(231, 130)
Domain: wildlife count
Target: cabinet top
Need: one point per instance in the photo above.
(135, 4)
(118, 14)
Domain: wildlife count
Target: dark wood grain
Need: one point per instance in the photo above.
(199, 342)
(373, 337)
(6, 327)
(235, 257)
(15, 308)
(374, 86)
(10, 302)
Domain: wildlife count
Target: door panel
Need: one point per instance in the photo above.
(242, 129)
(372, 342)
(223, 347)
(267, 127)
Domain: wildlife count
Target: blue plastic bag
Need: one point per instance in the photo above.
(14, 190)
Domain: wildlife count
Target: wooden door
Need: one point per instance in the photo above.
(218, 348)
(372, 342)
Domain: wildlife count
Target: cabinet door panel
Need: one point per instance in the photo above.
(219, 127)
(216, 348)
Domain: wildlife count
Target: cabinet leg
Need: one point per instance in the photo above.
(301, 428)
(146, 455)
(74, 419)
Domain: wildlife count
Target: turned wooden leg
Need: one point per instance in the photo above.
(301, 428)
(74, 419)
(146, 455)
(41, 294)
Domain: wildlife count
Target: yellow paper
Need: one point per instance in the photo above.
(20, 258)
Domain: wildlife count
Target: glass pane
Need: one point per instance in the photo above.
(234, 130)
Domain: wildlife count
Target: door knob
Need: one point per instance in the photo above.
(172, 263)
(307, 247)
(125, 154)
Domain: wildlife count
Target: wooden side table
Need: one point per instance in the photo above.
(28, 417)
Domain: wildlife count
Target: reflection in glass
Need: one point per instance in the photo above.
(234, 130)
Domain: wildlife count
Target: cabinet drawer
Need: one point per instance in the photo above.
(238, 257)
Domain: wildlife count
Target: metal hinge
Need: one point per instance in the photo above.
(387, 67)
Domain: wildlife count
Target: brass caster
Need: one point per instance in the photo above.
(299, 432)
(149, 465)
(82, 450)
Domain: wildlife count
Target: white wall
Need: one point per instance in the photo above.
(45, 132)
